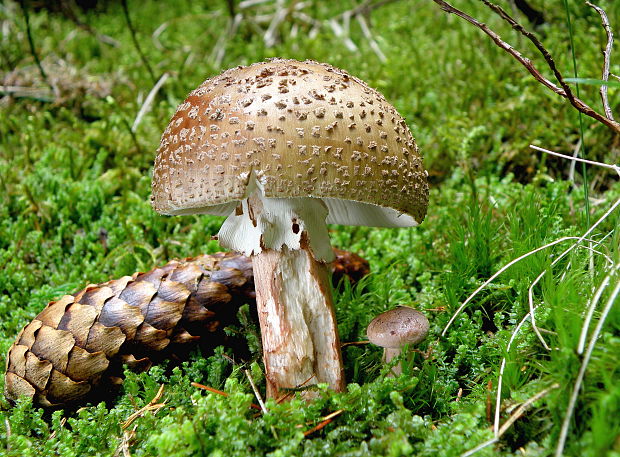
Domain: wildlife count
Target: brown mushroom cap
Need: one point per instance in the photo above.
(299, 129)
(397, 327)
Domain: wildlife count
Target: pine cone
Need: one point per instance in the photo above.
(74, 350)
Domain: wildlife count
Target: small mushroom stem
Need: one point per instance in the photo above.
(388, 355)
(298, 325)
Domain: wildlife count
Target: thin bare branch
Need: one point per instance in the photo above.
(536, 42)
(136, 42)
(231, 8)
(67, 9)
(606, 57)
(25, 5)
(529, 66)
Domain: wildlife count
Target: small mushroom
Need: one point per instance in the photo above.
(396, 328)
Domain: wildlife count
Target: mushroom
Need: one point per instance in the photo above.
(394, 329)
(282, 148)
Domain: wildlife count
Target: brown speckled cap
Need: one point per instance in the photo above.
(397, 327)
(300, 129)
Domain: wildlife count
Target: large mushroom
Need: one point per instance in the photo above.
(283, 148)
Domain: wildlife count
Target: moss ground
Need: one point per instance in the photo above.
(74, 210)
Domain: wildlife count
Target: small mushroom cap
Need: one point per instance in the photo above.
(299, 129)
(397, 327)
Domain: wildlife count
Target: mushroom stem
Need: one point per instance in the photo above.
(298, 326)
(388, 355)
(289, 245)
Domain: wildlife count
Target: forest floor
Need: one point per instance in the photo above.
(76, 163)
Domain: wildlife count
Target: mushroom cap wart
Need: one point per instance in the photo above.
(293, 129)
(397, 327)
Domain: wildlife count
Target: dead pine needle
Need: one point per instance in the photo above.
(256, 392)
(210, 389)
(354, 343)
(219, 392)
(63, 421)
(126, 441)
(153, 405)
(324, 421)
(291, 392)
(489, 404)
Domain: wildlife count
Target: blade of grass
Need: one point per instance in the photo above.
(593, 82)
(584, 173)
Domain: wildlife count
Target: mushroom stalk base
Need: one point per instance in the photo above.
(388, 355)
(298, 325)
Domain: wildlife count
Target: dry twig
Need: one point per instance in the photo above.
(136, 43)
(563, 91)
(606, 57)
(33, 51)
(355, 343)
